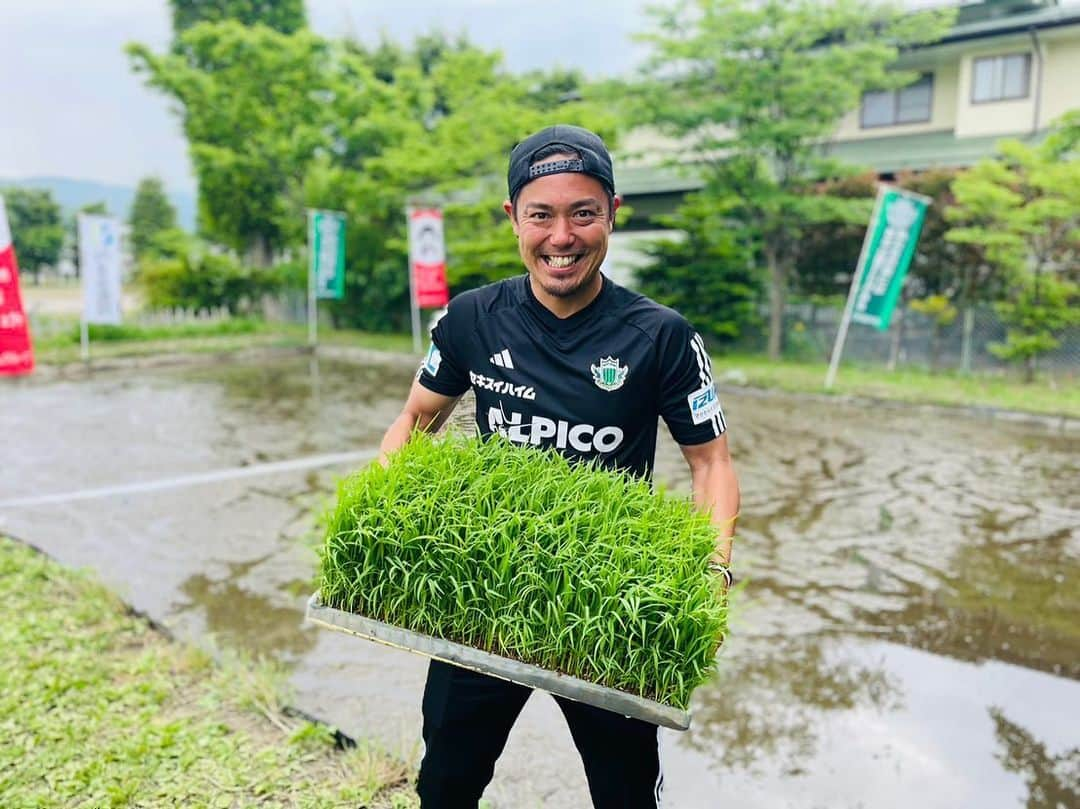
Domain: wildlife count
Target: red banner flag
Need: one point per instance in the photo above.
(427, 258)
(16, 353)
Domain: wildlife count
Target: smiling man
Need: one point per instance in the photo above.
(562, 357)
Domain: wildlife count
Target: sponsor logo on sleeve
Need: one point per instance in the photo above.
(432, 361)
(704, 404)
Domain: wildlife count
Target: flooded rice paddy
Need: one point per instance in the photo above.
(909, 634)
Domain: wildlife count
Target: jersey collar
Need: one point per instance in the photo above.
(565, 324)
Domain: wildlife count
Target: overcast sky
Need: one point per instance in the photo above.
(70, 105)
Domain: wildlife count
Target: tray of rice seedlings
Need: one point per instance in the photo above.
(514, 562)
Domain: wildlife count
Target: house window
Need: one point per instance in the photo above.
(999, 78)
(908, 105)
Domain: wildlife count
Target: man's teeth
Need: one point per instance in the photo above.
(559, 262)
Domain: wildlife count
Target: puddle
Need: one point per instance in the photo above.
(910, 631)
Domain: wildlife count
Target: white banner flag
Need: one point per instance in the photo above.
(99, 267)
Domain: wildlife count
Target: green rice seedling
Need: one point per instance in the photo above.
(517, 551)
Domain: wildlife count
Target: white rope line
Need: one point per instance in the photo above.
(235, 473)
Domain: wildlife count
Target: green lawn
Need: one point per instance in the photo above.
(1047, 395)
(97, 709)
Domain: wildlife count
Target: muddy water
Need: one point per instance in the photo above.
(909, 633)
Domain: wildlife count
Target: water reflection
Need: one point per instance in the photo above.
(240, 618)
(1016, 602)
(768, 700)
(1053, 781)
(895, 557)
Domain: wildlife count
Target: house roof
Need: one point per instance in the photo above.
(656, 179)
(1038, 17)
(925, 150)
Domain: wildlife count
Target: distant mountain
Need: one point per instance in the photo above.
(73, 194)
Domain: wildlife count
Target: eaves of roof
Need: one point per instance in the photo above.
(1052, 17)
(923, 151)
(638, 180)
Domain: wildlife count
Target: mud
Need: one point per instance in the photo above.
(908, 633)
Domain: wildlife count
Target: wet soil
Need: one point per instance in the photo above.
(909, 630)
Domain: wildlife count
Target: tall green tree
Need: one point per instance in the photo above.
(410, 129)
(286, 16)
(755, 87)
(253, 105)
(278, 123)
(37, 229)
(1023, 209)
(709, 275)
(151, 213)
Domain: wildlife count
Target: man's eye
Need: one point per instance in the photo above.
(585, 215)
(538, 216)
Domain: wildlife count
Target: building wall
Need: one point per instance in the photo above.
(1061, 92)
(952, 107)
(942, 111)
(995, 117)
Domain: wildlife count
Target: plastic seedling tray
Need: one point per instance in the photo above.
(515, 671)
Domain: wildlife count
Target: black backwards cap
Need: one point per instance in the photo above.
(595, 160)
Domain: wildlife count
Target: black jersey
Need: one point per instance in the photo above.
(591, 385)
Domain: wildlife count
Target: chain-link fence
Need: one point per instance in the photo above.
(915, 339)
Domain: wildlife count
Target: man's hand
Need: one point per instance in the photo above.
(423, 410)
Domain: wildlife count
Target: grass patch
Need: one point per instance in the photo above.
(1047, 395)
(97, 709)
(58, 341)
(516, 551)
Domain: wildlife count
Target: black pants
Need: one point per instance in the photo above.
(467, 719)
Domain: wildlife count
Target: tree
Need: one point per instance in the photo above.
(37, 229)
(279, 123)
(253, 104)
(755, 87)
(151, 213)
(286, 16)
(829, 251)
(1052, 779)
(412, 130)
(1023, 209)
(709, 275)
(941, 314)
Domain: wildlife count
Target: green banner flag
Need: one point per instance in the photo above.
(887, 252)
(326, 240)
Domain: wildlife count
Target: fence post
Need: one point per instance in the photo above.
(965, 343)
(897, 338)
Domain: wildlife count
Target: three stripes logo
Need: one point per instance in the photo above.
(502, 359)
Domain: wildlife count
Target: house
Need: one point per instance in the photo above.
(1007, 68)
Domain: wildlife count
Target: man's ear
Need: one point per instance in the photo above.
(508, 206)
(616, 203)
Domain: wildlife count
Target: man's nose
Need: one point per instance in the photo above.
(562, 232)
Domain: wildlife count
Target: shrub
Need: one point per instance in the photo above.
(199, 279)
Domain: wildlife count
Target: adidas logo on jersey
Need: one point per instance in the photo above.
(502, 359)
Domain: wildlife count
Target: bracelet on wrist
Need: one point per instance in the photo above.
(723, 570)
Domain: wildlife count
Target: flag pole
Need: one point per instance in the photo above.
(414, 304)
(312, 308)
(849, 307)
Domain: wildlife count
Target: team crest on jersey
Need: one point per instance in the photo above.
(609, 375)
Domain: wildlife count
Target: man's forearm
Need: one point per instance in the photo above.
(716, 491)
(396, 436)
